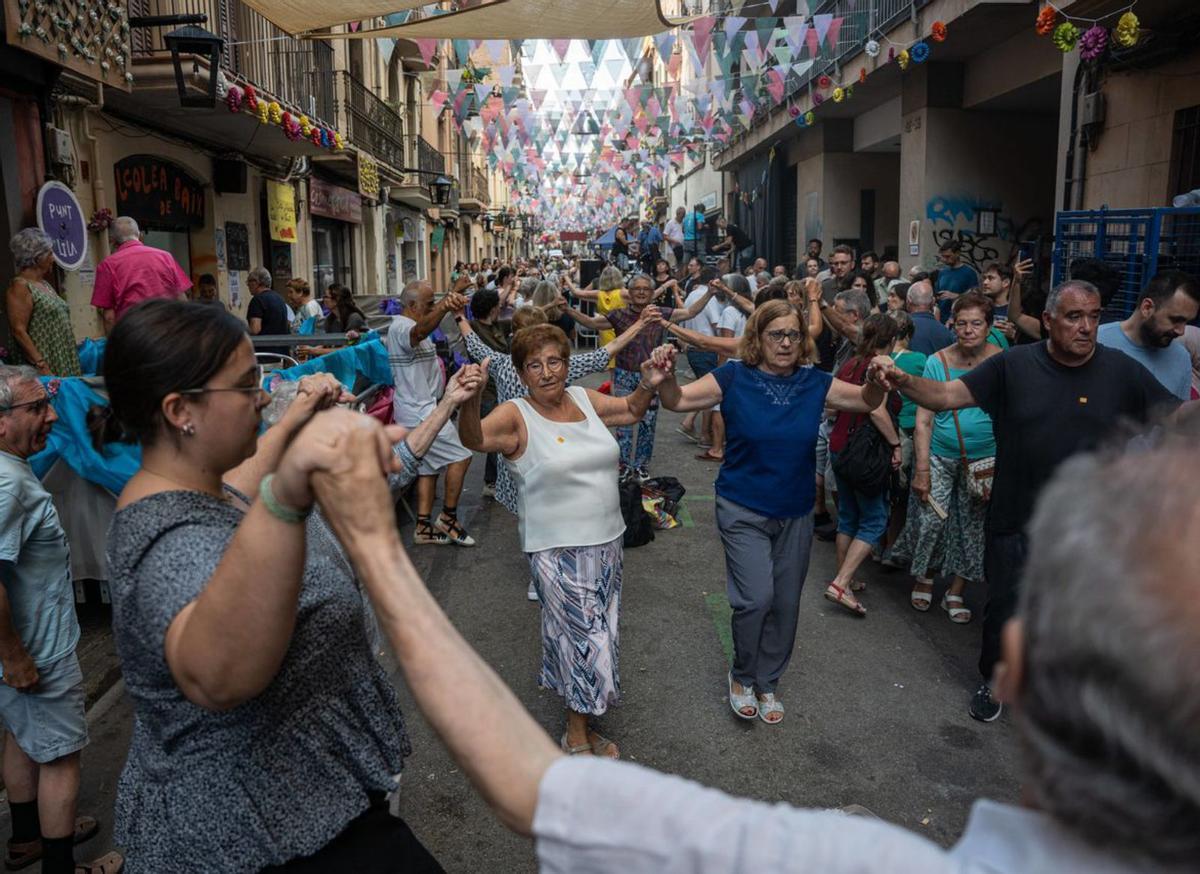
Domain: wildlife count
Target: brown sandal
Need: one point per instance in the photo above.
(109, 863)
(840, 596)
(25, 854)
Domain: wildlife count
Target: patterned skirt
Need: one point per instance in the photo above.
(580, 592)
(953, 546)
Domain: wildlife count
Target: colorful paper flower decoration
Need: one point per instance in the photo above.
(251, 98)
(862, 74)
(1125, 34)
(794, 111)
(315, 136)
(818, 99)
(291, 127)
(938, 31)
(824, 81)
(274, 112)
(305, 126)
(338, 142)
(234, 98)
(264, 112)
(838, 95)
(891, 53)
(810, 117)
(871, 48)
(902, 59)
(1046, 20)
(1093, 43)
(1065, 37)
(919, 53)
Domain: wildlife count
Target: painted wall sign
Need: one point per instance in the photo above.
(281, 211)
(158, 193)
(334, 202)
(61, 219)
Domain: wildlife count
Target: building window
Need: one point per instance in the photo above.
(1185, 152)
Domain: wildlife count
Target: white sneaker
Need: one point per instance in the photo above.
(531, 592)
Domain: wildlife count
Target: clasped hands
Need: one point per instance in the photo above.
(660, 366)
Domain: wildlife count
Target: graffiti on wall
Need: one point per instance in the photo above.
(955, 219)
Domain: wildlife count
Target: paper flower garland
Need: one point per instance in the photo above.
(263, 112)
(794, 111)
(824, 81)
(817, 99)
(1046, 20)
(838, 95)
(862, 74)
(1125, 34)
(305, 126)
(919, 53)
(902, 59)
(291, 128)
(251, 98)
(233, 98)
(1093, 43)
(810, 117)
(938, 31)
(275, 112)
(1065, 36)
(891, 53)
(871, 48)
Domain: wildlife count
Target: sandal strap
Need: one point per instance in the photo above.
(451, 526)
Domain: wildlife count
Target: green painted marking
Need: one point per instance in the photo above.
(705, 497)
(684, 515)
(722, 613)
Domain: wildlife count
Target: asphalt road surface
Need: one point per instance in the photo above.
(876, 707)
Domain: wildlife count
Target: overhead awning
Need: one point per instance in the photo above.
(526, 19)
(300, 16)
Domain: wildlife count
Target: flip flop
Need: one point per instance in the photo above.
(840, 596)
(601, 745)
(708, 456)
(690, 435)
(576, 749)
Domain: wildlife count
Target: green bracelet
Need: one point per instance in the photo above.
(275, 508)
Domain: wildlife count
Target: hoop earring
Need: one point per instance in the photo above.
(189, 430)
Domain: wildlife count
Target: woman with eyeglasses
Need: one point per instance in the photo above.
(266, 734)
(944, 444)
(557, 446)
(772, 400)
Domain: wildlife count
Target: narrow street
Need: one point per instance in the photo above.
(877, 708)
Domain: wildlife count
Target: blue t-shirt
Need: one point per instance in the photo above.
(771, 438)
(928, 334)
(1171, 365)
(976, 425)
(957, 279)
(692, 225)
(35, 565)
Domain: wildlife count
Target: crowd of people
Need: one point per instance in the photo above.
(931, 423)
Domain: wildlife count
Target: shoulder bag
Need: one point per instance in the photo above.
(981, 471)
(866, 462)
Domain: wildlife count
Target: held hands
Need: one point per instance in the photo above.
(316, 392)
(463, 283)
(651, 315)
(321, 447)
(897, 456)
(467, 382)
(660, 366)
(352, 488)
(455, 301)
(884, 373)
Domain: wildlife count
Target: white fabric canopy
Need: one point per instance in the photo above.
(528, 19)
(298, 16)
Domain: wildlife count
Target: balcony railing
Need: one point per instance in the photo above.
(369, 122)
(475, 186)
(296, 72)
(429, 158)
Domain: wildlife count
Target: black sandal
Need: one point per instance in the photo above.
(453, 532)
(25, 854)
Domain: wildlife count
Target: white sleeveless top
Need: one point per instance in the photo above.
(566, 480)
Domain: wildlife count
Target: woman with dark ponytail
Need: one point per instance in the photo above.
(266, 734)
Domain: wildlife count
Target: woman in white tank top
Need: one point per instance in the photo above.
(563, 458)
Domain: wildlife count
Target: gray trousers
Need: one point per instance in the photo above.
(766, 561)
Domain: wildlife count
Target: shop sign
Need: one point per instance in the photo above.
(281, 211)
(334, 202)
(61, 219)
(158, 193)
(436, 238)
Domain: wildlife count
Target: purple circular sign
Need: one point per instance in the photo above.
(61, 218)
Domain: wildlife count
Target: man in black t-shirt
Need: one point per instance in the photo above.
(1048, 401)
(736, 244)
(266, 312)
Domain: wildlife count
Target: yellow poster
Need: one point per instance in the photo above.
(281, 211)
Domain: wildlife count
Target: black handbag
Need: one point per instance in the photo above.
(866, 462)
(639, 526)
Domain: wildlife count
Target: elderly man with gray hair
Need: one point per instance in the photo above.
(133, 273)
(41, 690)
(929, 335)
(1047, 401)
(267, 312)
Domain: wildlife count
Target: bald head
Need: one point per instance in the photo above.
(920, 297)
(891, 270)
(415, 293)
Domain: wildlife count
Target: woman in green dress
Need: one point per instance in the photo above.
(40, 320)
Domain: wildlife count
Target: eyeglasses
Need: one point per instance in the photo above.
(552, 365)
(977, 324)
(780, 336)
(40, 405)
(245, 389)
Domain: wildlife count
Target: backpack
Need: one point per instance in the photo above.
(639, 526)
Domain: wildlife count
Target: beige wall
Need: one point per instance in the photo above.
(1131, 164)
(954, 162)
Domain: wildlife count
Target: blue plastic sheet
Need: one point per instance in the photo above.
(70, 441)
(91, 355)
(368, 357)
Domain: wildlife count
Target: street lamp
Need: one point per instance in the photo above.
(192, 40)
(439, 188)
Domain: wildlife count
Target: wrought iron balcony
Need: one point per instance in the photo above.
(369, 122)
(429, 158)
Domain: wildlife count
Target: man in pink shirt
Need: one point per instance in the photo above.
(133, 273)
